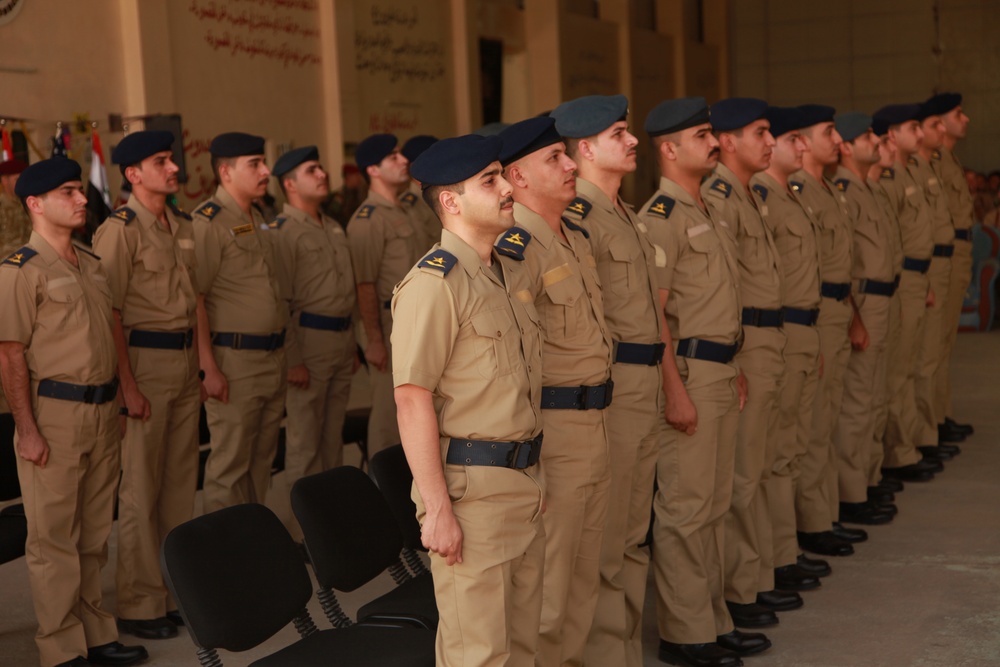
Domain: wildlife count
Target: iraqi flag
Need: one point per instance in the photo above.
(98, 193)
(8, 151)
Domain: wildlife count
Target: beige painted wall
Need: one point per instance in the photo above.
(860, 55)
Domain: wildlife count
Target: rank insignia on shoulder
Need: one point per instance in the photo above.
(179, 212)
(409, 198)
(365, 211)
(661, 206)
(209, 209)
(439, 260)
(20, 257)
(575, 227)
(240, 230)
(796, 186)
(842, 184)
(580, 207)
(936, 154)
(125, 214)
(722, 186)
(912, 160)
(888, 174)
(761, 191)
(277, 222)
(513, 242)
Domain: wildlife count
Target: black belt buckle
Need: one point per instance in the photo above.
(90, 393)
(524, 453)
(237, 343)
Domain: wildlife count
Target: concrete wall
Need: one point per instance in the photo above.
(863, 54)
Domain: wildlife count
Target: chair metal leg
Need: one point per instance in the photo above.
(331, 607)
(208, 657)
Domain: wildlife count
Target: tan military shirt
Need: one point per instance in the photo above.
(698, 268)
(473, 341)
(15, 225)
(942, 231)
(151, 270)
(626, 263)
(61, 313)
(889, 200)
(912, 211)
(423, 216)
(829, 206)
(757, 256)
(960, 200)
(567, 295)
(873, 258)
(314, 270)
(236, 269)
(385, 244)
(794, 233)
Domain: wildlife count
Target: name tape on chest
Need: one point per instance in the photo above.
(513, 242)
(240, 230)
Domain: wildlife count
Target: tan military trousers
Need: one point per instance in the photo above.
(961, 275)
(929, 354)
(748, 522)
(855, 427)
(383, 431)
(880, 405)
(635, 426)
(69, 506)
(577, 476)
(798, 397)
(695, 478)
(245, 430)
(900, 447)
(159, 476)
(817, 467)
(490, 604)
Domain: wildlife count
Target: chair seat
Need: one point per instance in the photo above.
(357, 646)
(413, 599)
(13, 533)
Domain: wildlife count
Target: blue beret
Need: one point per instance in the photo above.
(852, 124)
(294, 158)
(814, 114)
(736, 112)
(491, 129)
(589, 115)
(137, 146)
(236, 144)
(46, 176)
(942, 103)
(374, 149)
(454, 160)
(412, 149)
(526, 137)
(895, 114)
(676, 115)
(785, 120)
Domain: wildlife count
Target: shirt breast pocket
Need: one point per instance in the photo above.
(562, 314)
(703, 262)
(621, 270)
(493, 329)
(66, 296)
(158, 264)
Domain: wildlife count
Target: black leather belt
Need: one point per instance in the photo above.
(762, 317)
(505, 454)
(239, 341)
(578, 398)
(963, 234)
(918, 265)
(806, 318)
(387, 304)
(96, 394)
(706, 350)
(638, 353)
(838, 291)
(944, 250)
(324, 322)
(877, 287)
(161, 340)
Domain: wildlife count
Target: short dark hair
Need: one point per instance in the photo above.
(431, 195)
(218, 162)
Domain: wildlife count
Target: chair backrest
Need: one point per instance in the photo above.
(394, 479)
(348, 527)
(236, 575)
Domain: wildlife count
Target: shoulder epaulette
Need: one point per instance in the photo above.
(936, 154)
(912, 160)
(208, 210)
(125, 214)
(513, 242)
(888, 174)
(723, 187)
(365, 211)
(20, 257)
(580, 207)
(661, 206)
(179, 212)
(439, 260)
(86, 251)
(842, 184)
(277, 222)
(796, 186)
(575, 227)
(761, 191)
(409, 198)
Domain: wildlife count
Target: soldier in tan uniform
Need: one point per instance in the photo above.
(873, 277)
(598, 140)
(698, 280)
(15, 227)
(241, 326)
(423, 216)
(467, 368)
(576, 372)
(147, 250)
(385, 244)
(57, 363)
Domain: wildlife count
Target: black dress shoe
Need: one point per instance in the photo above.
(890, 486)
(779, 600)
(910, 473)
(116, 654)
(948, 434)
(851, 535)
(888, 508)
(814, 566)
(175, 618)
(743, 643)
(75, 662)
(154, 628)
(824, 544)
(967, 429)
(864, 514)
(954, 450)
(877, 495)
(934, 453)
(751, 615)
(791, 578)
(698, 655)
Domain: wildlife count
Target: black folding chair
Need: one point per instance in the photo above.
(352, 537)
(392, 473)
(238, 578)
